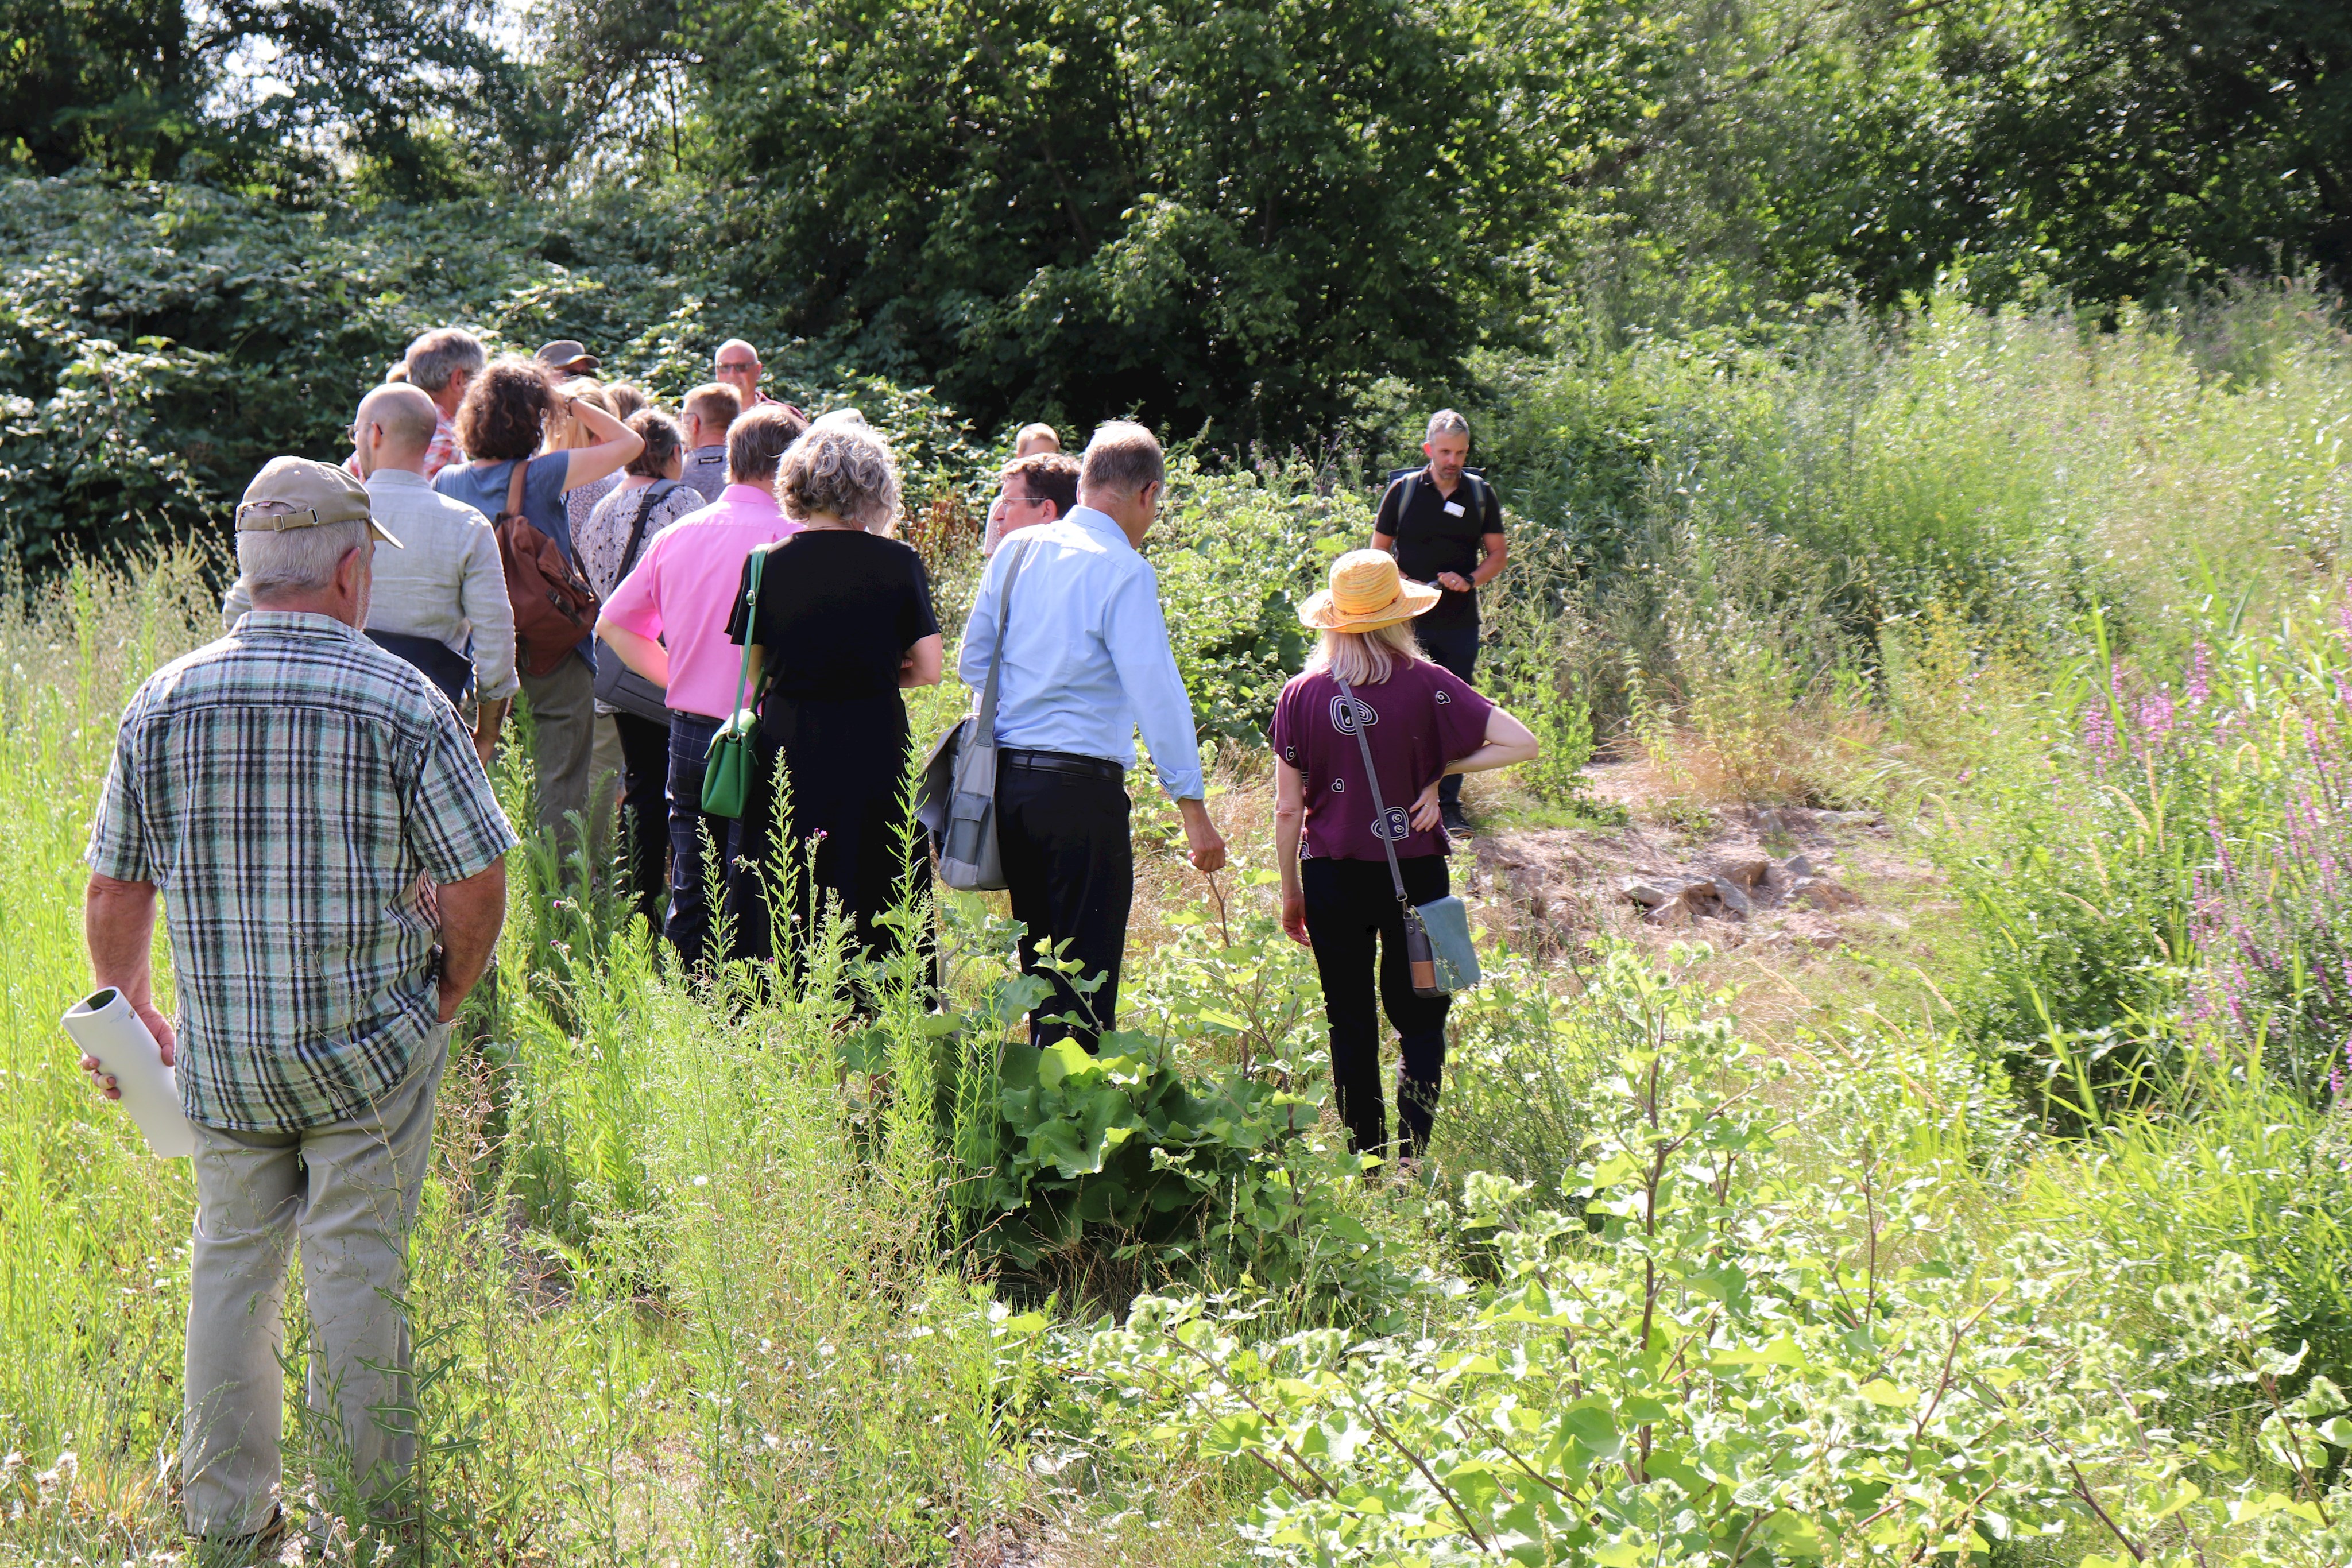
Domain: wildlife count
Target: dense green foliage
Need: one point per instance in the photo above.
(1227, 217)
(158, 343)
(1690, 1368)
(1270, 222)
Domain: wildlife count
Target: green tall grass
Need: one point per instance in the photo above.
(670, 1305)
(693, 1283)
(1751, 519)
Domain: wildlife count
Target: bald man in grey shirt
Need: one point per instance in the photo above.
(448, 585)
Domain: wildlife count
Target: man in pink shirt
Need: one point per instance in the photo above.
(668, 621)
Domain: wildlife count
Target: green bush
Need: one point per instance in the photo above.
(1236, 551)
(1700, 1367)
(159, 342)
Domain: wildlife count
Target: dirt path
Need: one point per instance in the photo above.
(1794, 901)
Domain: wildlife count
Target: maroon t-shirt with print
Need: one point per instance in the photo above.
(1421, 717)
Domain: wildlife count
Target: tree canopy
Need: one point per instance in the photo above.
(1260, 220)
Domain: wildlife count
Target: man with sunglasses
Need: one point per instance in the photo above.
(737, 363)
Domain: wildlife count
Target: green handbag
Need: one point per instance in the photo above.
(727, 766)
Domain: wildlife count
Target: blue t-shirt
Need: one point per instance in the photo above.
(484, 488)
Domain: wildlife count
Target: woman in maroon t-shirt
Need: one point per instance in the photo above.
(1421, 723)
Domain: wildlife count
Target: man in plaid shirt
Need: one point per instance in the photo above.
(333, 869)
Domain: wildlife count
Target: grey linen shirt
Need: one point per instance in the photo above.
(705, 470)
(446, 584)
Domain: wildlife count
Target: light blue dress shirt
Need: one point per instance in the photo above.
(1086, 662)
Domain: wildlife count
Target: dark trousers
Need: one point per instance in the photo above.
(1453, 648)
(1351, 905)
(1070, 868)
(645, 810)
(690, 867)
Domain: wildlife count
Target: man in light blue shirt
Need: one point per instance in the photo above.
(1086, 665)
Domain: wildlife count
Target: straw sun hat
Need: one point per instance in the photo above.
(1365, 594)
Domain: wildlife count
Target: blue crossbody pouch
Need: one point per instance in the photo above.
(1437, 946)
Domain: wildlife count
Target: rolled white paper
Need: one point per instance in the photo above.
(103, 1025)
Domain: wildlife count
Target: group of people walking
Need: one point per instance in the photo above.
(303, 800)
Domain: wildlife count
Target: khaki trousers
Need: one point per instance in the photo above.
(348, 1191)
(563, 712)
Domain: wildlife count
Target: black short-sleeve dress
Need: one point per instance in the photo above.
(838, 609)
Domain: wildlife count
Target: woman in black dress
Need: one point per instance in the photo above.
(843, 622)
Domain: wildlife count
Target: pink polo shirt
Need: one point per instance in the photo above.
(684, 587)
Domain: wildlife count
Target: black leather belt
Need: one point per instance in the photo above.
(1064, 762)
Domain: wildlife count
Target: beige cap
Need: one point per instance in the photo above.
(297, 493)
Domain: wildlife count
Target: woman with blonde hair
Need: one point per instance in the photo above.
(1369, 685)
(568, 432)
(841, 622)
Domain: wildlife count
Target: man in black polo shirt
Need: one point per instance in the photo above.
(1445, 526)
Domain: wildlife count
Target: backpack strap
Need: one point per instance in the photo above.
(514, 487)
(1482, 493)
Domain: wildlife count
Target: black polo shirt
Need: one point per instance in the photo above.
(1441, 533)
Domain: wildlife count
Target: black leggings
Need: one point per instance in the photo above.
(1350, 906)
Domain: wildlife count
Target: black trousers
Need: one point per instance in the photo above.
(691, 914)
(1453, 648)
(1351, 907)
(645, 810)
(1070, 868)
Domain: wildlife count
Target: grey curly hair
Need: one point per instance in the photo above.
(844, 470)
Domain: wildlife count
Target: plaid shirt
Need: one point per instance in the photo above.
(288, 788)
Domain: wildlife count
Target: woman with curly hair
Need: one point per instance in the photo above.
(505, 419)
(843, 622)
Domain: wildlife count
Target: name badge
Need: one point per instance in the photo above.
(1453, 508)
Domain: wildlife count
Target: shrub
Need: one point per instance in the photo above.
(1696, 1369)
(159, 342)
(1236, 554)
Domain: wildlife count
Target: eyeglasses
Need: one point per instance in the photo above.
(734, 366)
(1019, 501)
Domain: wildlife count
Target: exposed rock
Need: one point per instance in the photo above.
(1823, 894)
(1743, 866)
(1665, 878)
(1652, 893)
(1733, 899)
(1672, 915)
